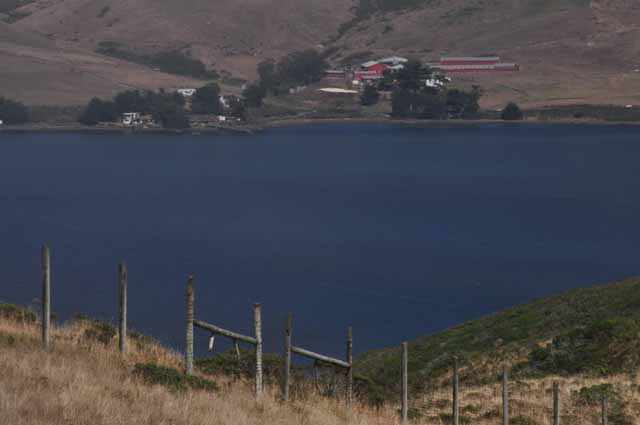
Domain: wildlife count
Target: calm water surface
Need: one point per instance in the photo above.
(397, 231)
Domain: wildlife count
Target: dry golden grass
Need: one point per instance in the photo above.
(82, 382)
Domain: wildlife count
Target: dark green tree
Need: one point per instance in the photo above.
(427, 104)
(254, 95)
(12, 112)
(303, 67)
(206, 100)
(98, 111)
(512, 112)
(370, 96)
(413, 75)
(462, 104)
(267, 74)
(132, 101)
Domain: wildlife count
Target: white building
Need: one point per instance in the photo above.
(131, 118)
(186, 92)
(393, 61)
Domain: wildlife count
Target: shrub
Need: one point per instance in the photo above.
(100, 331)
(12, 112)
(602, 347)
(228, 364)
(17, 313)
(512, 112)
(154, 374)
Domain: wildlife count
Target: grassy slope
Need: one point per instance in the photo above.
(84, 380)
(595, 330)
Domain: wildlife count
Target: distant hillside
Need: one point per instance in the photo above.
(571, 51)
(593, 331)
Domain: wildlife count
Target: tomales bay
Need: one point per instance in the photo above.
(395, 230)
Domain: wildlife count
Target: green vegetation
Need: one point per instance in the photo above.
(295, 69)
(17, 313)
(173, 379)
(228, 364)
(100, 331)
(412, 98)
(586, 326)
(370, 96)
(98, 111)
(588, 112)
(12, 112)
(166, 108)
(173, 62)
(593, 396)
(512, 112)
(206, 100)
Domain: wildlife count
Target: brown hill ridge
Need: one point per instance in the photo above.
(571, 51)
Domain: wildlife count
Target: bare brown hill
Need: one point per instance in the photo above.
(38, 70)
(571, 51)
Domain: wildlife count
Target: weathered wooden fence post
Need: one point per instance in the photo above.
(456, 392)
(188, 355)
(505, 396)
(123, 308)
(46, 296)
(556, 403)
(287, 358)
(405, 382)
(605, 418)
(350, 361)
(257, 321)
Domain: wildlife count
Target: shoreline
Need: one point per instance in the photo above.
(252, 128)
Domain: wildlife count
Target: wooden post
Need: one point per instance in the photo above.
(257, 322)
(46, 296)
(287, 357)
(505, 396)
(236, 347)
(605, 418)
(316, 376)
(405, 382)
(123, 308)
(556, 403)
(188, 355)
(350, 361)
(456, 393)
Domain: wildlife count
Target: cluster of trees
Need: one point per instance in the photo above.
(295, 69)
(12, 112)
(512, 112)
(172, 62)
(166, 108)
(412, 98)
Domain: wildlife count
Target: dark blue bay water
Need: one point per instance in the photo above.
(397, 231)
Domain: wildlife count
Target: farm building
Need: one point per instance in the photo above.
(475, 64)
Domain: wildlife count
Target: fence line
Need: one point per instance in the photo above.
(505, 396)
(46, 296)
(405, 382)
(122, 328)
(456, 393)
(290, 349)
(256, 340)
